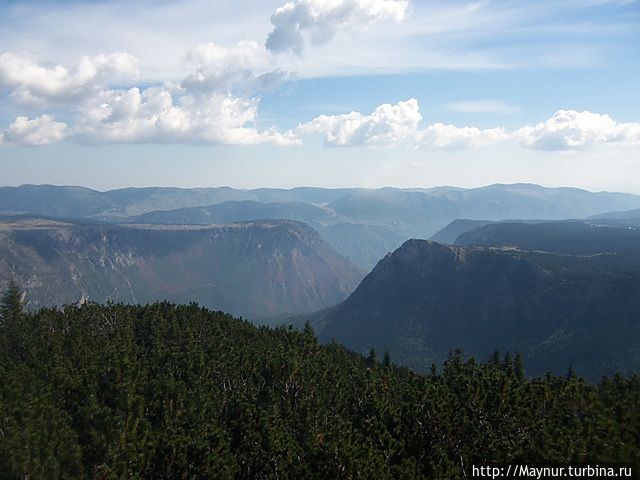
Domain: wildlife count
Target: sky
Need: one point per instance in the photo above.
(331, 93)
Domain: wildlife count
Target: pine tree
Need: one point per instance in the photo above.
(386, 360)
(11, 305)
(506, 363)
(495, 358)
(371, 358)
(308, 334)
(518, 366)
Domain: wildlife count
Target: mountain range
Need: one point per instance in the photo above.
(550, 273)
(361, 224)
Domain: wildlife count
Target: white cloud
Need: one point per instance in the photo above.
(180, 113)
(435, 34)
(34, 85)
(388, 125)
(41, 130)
(247, 66)
(392, 125)
(170, 114)
(212, 105)
(321, 19)
(572, 130)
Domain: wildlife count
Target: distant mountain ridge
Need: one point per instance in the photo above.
(239, 211)
(363, 224)
(493, 202)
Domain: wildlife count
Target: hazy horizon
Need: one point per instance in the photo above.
(355, 187)
(275, 93)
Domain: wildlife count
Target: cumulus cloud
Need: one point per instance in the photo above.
(170, 114)
(34, 85)
(321, 19)
(450, 137)
(572, 130)
(388, 125)
(392, 125)
(217, 102)
(245, 67)
(214, 104)
(41, 130)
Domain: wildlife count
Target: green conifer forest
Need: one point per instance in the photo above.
(180, 392)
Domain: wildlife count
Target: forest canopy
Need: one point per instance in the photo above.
(166, 391)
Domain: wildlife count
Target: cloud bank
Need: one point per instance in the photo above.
(394, 125)
(213, 104)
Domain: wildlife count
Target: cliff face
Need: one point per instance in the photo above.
(426, 299)
(253, 268)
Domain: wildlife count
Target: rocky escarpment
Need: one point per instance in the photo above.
(252, 268)
(426, 299)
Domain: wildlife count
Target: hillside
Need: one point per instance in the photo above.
(165, 391)
(363, 244)
(556, 310)
(239, 211)
(587, 238)
(252, 268)
(624, 218)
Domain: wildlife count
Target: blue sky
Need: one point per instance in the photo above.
(320, 92)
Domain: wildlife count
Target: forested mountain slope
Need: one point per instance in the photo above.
(181, 392)
(624, 218)
(556, 310)
(617, 245)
